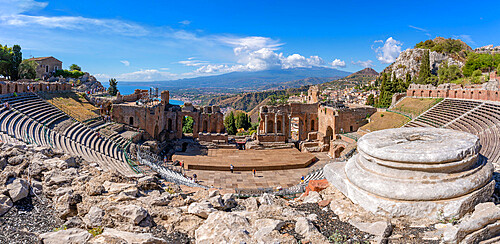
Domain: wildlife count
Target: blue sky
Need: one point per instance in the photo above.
(164, 40)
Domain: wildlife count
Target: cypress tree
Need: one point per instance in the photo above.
(230, 124)
(112, 89)
(425, 67)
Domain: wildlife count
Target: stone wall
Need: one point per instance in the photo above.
(213, 137)
(477, 92)
(163, 121)
(7, 87)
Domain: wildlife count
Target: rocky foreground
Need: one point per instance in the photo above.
(50, 197)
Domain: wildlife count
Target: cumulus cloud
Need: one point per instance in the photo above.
(147, 75)
(389, 51)
(257, 53)
(364, 64)
(337, 63)
(125, 62)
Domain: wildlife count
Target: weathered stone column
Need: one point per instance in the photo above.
(283, 129)
(265, 124)
(416, 172)
(275, 123)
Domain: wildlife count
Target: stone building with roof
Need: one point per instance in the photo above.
(46, 66)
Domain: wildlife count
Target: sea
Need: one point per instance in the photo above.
(126, 89)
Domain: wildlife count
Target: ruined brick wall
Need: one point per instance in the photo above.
(22, 86)
(164, 121)
(471, 92)
(342, 120)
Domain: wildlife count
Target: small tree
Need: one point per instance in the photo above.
(229, 123)
(16, 59)
(27, 69)
(477, 73)
(112, 89)
(498, 69)
(187, 124)
(425, 67)
(75, 67)
(370, 100)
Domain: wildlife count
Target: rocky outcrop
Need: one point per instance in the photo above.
(409, 62)
(69, 236)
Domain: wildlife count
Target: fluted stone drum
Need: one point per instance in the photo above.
(417, 172)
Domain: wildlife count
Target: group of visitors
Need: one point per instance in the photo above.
(6, 105)
(106, 118)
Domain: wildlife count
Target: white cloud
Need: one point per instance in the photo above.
(337, 63)
(256, 53)
(125, 62)
(12, 14)
(185, 22)
(418, 28)
(389, 51)
(192, 62)
(147, 75)
(102, 77)
(364, 64)
(465, 38)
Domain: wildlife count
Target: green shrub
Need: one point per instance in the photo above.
(96, 231)
(69, 74)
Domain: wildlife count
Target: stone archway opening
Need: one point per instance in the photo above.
(270, 126)
(131, 121)
(278, 127)
(339, 151)
(295, 128)
(169, 124)
(205, 126)
(187, 126)
(328, 135)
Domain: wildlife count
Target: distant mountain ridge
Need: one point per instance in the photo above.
(259, 80)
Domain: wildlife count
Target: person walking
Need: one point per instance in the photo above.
(195, 178)
(254, 172)
(302, 179)
(231, 168)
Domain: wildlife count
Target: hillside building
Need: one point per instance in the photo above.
(46, 66)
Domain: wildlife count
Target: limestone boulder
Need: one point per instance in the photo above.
(202, 209)
(313, 197)
(135, 214)
(18, 189)
(113, 236)
(94, 217)
(5, 204)
(16, 160)
(114, 188)
(305, 228)
(224, 227)
(69, 236)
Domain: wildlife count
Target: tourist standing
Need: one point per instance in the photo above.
(231, 168)
(254, 171)
(195, 178)
(302, 179)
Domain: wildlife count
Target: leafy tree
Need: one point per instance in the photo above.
(27, 69)
(425, 68)
(448, 73)
(498, 69)
(370, 100)
(408, 78)
(5, 61)
(477, 73)
(75, 67)
(112, 89)
(187, 124)
(16, 59)
(481, 61)
(243, 121)
(229, 124)
(66, 73)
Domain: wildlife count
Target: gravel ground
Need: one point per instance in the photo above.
(406, 234)
(173, 238)
(27, 218)
(330, 226)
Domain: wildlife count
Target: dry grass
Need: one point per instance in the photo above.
(384, 120)
(415, 106)
(74, 105)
